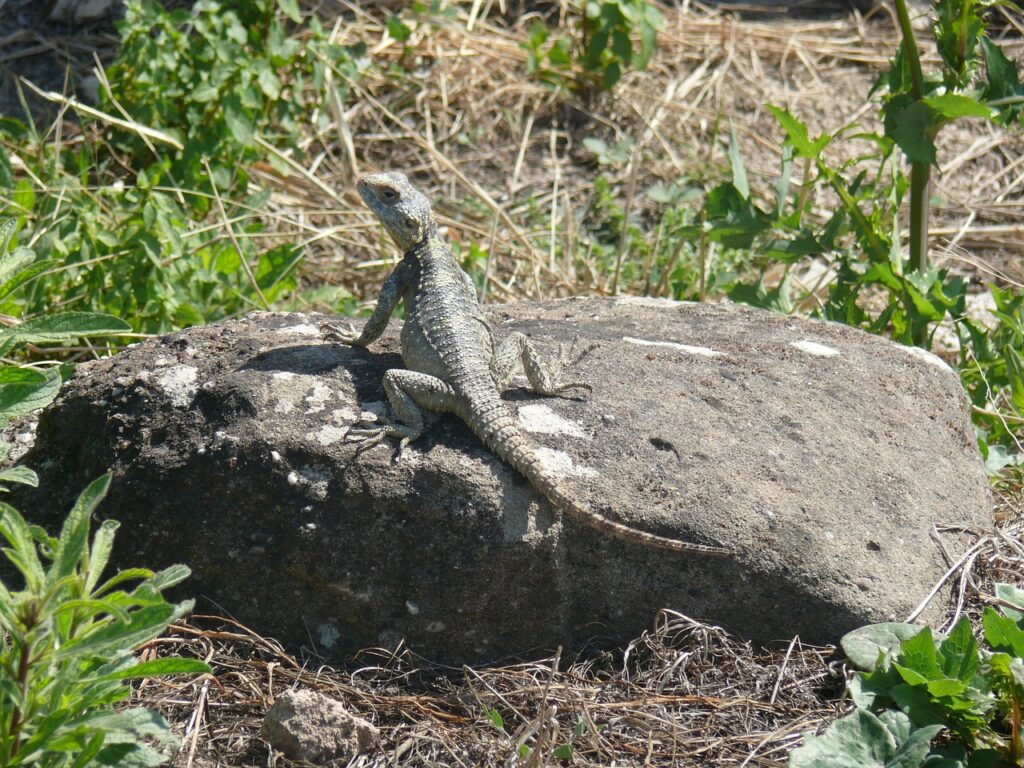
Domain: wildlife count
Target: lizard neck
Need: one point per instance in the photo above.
(422, 246)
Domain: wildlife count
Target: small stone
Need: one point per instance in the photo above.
(78, 11)
(308, 726)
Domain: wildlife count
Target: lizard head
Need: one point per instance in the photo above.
(403, 210)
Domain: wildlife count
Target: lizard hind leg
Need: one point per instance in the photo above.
(545, 377)
(414, 398)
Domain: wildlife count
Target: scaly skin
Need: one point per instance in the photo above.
(452, 363)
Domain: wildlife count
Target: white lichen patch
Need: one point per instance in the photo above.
(342, 416)
(302, 329)
(928, 357)
(313, 481)
(328, 635)
(561, 463)
(539, 418)
(317, 399)
(287, 390)
(375, 409)
(814, 348)
(686, 348)
(329, 434)
(648, 301)
(221, 439)
(179, 384)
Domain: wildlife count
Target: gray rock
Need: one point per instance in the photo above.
(79, 11)
(308, 726)
(821, 455)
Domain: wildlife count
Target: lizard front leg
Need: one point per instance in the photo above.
(390, 294)
(544, 377)
(413, 397)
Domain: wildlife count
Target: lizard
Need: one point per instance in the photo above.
(452, 364)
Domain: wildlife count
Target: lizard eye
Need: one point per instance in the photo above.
(389, 194)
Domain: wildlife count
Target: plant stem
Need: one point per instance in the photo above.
(920, 188)
(920, 173)
(16, 717)
(1015, 727)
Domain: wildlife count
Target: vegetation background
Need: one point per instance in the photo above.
(199, 162)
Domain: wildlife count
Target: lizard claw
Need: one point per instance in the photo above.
(572, 358)
(331, 332)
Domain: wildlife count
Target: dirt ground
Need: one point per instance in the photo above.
(493, 146)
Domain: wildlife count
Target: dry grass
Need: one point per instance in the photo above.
(502, 155)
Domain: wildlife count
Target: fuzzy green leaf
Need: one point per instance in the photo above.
(74, 535)
(859, 740)
(864, 646)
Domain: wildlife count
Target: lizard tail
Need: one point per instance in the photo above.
(496, 426)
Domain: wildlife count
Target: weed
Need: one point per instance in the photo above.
(610, 36)
(915, 686)
(66, 642)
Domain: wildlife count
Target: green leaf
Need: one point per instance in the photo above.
(128, 574)
(859, 740)
(401, 32)
(26, 275)
(168, 577)
(864, 646)
(23, 390)
(12, 261)
(24, 196)
(238, 122)
(23, 548)
(919, 655)
(1014, 596)
(1002, 80)
(739, 173)
(7, 228)
(912, 752)
(611, 75)
(146, 624)
(797, 135)
(268, 81)
(290, 8)
(562, 752)
(99, 553)
(495, 717)
(1002, 632)
(957, 27)
(959, 651)
(912, 126)
(950, 106)
(63, 326)
(158, 667)
(22, 475)
(73, 536)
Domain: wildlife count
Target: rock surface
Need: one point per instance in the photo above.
(316, 729)
(821, 455)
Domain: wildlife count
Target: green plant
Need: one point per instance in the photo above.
(610, 37)
(223, 79)
(915, 685)
(917, 106)
(27, 388)
(66, 642)
(154, 217)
